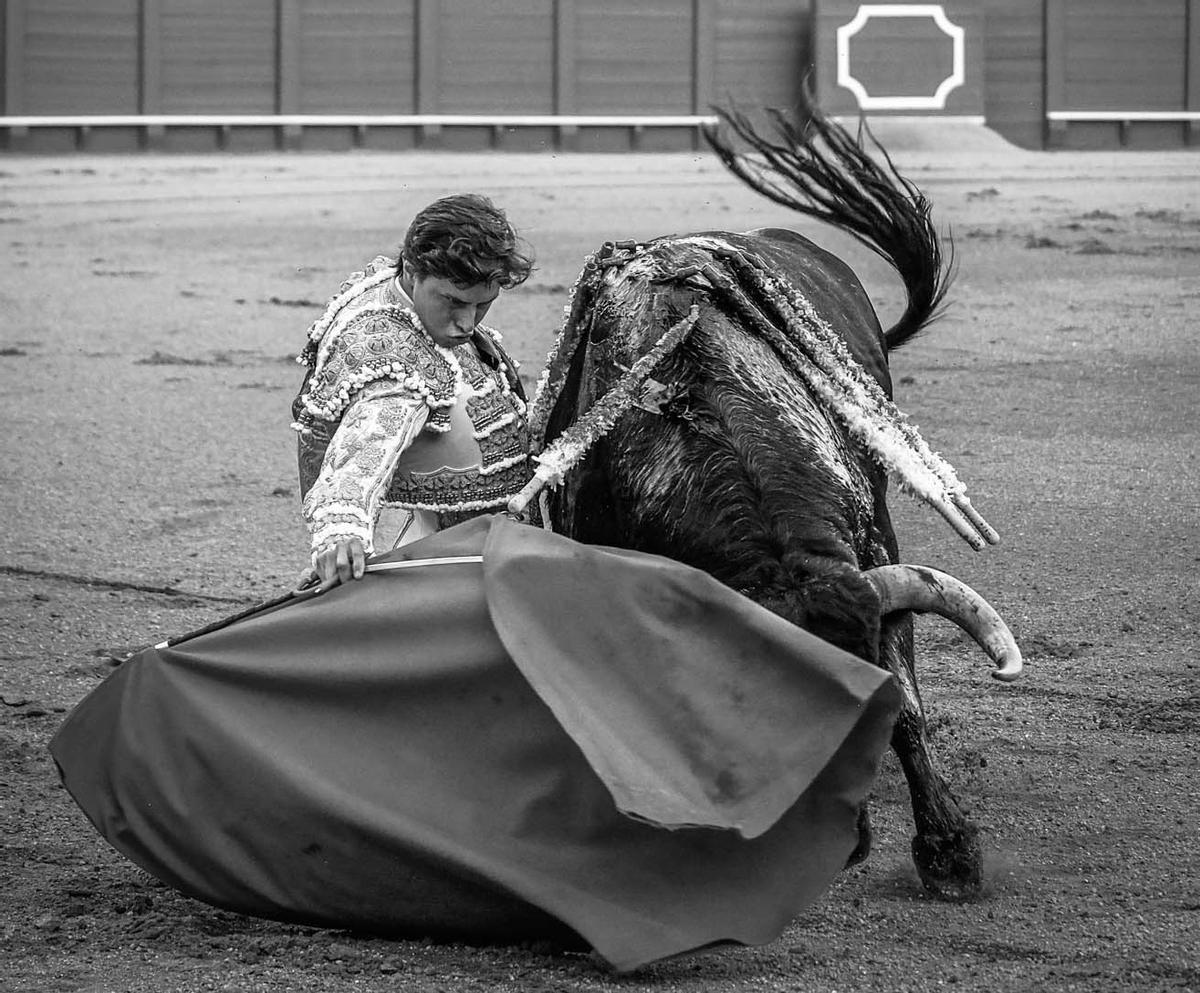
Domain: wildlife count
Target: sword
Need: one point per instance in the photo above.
(305, 591)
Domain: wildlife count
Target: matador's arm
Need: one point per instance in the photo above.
(376, 428)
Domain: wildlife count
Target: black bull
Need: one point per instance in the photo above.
(749, 430)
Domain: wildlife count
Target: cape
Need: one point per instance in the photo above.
(510, 735)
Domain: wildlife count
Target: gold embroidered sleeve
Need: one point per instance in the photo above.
(377, 427)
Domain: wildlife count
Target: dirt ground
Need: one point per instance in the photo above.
(150, 310)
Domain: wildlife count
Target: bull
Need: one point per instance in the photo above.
(724, 399)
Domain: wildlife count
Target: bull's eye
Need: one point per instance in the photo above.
(598, 332)
(678, 405)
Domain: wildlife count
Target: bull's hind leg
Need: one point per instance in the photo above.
(946, 847)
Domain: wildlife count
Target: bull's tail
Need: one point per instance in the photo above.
(818, 168)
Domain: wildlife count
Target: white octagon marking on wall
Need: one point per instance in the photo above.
(865, 13)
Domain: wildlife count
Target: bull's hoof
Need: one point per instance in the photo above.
(863, 848)
(950, 865)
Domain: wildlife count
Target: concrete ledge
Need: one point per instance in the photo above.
(932, 133)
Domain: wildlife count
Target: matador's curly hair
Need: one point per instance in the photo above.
(468, 240)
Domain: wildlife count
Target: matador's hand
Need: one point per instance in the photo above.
(343, 562)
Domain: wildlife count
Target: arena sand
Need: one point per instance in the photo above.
(151, 309)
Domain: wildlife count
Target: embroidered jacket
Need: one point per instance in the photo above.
(387, 418)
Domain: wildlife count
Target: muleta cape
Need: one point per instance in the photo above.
(511, 735)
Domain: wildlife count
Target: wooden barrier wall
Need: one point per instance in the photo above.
(553, 57)
(662, 57)
(1014, 56)
(1134, 66)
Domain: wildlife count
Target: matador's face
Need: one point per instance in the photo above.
(450, 312)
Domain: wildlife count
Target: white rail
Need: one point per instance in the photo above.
(1123, 115)
(357, 120)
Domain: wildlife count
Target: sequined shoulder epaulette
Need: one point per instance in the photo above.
(377, 272)
(379, 342)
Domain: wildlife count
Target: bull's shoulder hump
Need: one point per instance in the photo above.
(749, 239)
(785, 235)
(792, 244)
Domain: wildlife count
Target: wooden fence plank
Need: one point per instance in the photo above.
(287, 69)
(1120, 57)
(496, 57)
(428, 15)
(219, 56)
(564, 56)
(1192, 69)
(149, 82)
(427, 68)
(1014, 55)
(633, 59)
(565, 71)
(1056, 77)
(704, 53)
(150, 57)
(359, 57)
(762, 52)
(14, 64)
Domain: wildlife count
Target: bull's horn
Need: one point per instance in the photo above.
(913, 587)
